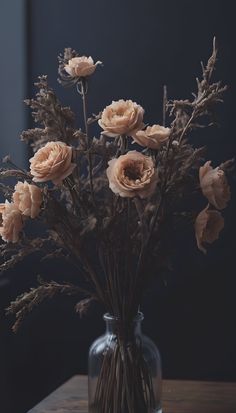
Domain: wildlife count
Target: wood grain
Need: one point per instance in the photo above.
(178, 397)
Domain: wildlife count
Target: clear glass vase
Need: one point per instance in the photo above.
(124, 370)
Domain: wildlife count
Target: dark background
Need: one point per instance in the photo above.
(143, 46)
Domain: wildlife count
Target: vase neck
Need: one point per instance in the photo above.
(115, 325)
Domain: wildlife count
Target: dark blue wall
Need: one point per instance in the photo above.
(12, 78)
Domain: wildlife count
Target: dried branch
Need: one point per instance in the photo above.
(16, 173)
(188, 114)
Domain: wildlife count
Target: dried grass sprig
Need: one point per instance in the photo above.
(82, 306)
(25, 303)
(13, 254)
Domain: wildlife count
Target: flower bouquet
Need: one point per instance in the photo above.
(120, 195)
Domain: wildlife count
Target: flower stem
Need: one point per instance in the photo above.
(186, 127)
(164, 105)
(90, 165)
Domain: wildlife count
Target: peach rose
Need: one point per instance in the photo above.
(214, 185)
(123, 117)
(152, 137)
(11, 222)
(52, 162)
(28, 198)
(208, 225)
(132, 175)
(81, 66)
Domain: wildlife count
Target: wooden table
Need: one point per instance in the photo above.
(178, 397)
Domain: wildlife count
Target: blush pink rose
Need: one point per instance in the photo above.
(28, 198)
(132, 175)
(208, 225)
(11, 222)
(152, 137)
(214, 185)
(52, 162)
(122, 117)
(81, 66)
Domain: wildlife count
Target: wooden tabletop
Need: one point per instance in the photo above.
(178, 397)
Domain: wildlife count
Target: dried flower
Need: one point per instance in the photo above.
(214, 185)
(11, 222)
(52, 162)
(122, 117)
(132, 175)
(28, 198)
(81, 66)
(208, 225)
(152, 137)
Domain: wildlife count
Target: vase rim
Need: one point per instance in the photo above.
(110, 317)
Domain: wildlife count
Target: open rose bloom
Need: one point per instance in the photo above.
(122, 117)
(152, 137)
(11, 222)
(53, 162)
(132, 175)
(81, 66)
(28, 198)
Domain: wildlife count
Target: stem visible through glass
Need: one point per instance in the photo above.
(124, 384)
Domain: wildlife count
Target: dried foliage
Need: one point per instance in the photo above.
(56, 121)
(63, 59)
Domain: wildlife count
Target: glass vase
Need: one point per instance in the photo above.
(124, 370)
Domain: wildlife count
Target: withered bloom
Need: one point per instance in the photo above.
(208, 225)
(214, 185)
